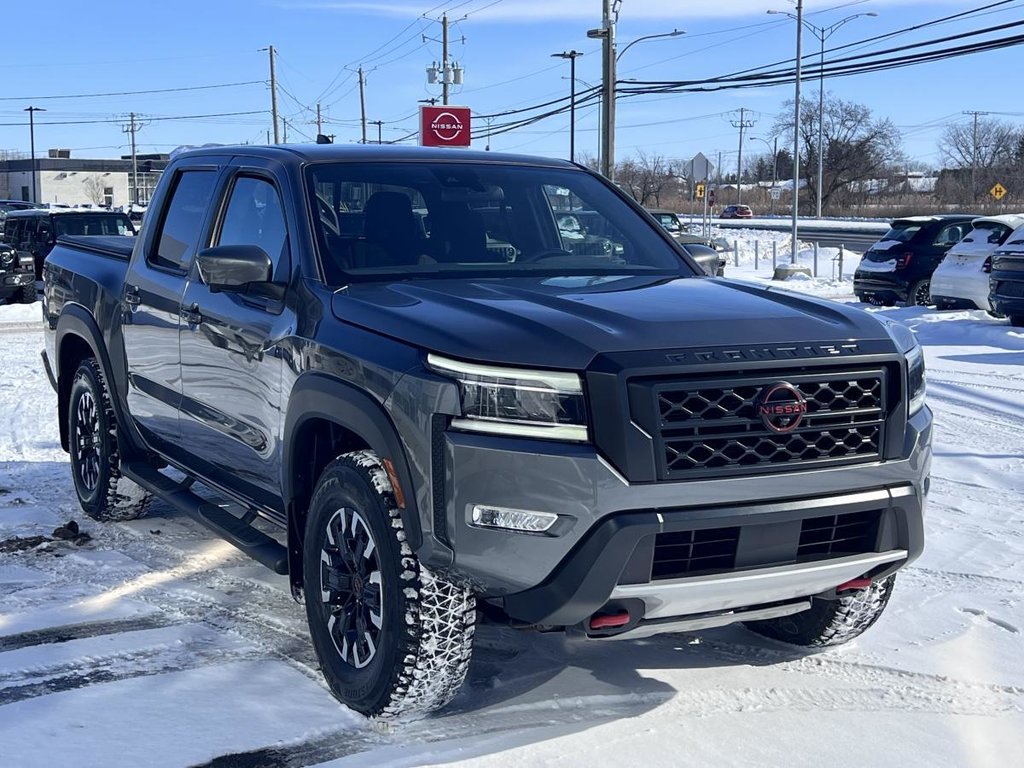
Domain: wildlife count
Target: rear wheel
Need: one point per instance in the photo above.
(27, 294)
(103, 492)
(919, 294)
(393, 638)
(830, 622)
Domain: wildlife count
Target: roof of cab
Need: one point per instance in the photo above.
(352, 153)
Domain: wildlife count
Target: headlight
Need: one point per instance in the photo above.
(6, 258)
(517, 402)
(906, 342)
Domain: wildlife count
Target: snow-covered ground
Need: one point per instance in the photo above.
(156, 644)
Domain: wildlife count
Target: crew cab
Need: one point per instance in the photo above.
(442, 433)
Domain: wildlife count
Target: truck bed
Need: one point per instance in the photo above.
(117, 246)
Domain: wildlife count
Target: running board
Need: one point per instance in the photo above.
(254, 543)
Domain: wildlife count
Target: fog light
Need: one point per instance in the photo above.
(512, 519)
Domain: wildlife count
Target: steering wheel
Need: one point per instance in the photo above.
(551, 253)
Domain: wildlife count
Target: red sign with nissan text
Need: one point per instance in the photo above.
(445, 126)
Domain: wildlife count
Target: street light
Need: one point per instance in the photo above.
(823, 34)
(774, 147)
(606, 34)
(32, 141)
(571, 56)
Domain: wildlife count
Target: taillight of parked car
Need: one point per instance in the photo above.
(904, 260)
(987, 266)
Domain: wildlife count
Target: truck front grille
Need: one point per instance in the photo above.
(714, 427)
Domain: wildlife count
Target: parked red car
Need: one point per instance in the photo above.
(736, 212)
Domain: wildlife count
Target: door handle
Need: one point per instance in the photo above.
(191, 315)
(131, 296)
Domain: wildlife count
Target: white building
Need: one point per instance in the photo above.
(63, 180)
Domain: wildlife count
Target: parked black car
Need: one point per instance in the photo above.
(6, 206)
(34, 232)
(899, 267)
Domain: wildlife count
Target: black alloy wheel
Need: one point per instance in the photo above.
(85, 441)
(351, 587)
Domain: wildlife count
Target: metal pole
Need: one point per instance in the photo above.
(319, 121)
(284, 123)
(796, 130)
(572, 106)
(135, 164)
(821, 121)
(736, 253)
(842, 249)
(757, 254)
(32, 142)
(815, 258)
(775, 253)
(362, 104)
(444, 61)
(273, 94)
(741, 124)
(608, 87)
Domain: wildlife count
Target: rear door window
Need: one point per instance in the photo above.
(176, 242)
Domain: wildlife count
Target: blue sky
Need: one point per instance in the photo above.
(103, 46)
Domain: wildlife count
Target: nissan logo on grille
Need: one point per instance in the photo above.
(781, 407)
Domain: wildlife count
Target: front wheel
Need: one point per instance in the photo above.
(103, 492)
(27, 294)
(393, 638)
(830, 622)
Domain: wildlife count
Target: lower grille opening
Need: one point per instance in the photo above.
(690, 553)
(837, 535)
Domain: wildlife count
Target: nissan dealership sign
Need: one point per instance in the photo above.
(445, 126)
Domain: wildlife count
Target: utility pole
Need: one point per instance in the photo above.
(607, 35)
(319, 121)
(571, 56)
(378, 123)
(284, 122)
(273, 92)
(974, 153)
(362, 103)
(742, 124)
(444, 58)
(131, 129)
(32, 141)
(795, 251)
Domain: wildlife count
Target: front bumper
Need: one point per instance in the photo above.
(1007, 296)
(13, 281)
(970, 289)
(605, 522)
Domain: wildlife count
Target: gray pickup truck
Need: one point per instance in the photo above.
(449, 416)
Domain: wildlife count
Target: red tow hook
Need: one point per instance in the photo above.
(854, 584)
(606, 621)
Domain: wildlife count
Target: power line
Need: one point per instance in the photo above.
(151, 119)
(134, 93)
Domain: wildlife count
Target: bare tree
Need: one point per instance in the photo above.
(994, 143)
(856, 146)
(95, 188)
(648, 178)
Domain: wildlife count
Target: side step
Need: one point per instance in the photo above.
(254, 543)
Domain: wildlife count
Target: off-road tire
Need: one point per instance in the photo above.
(27, 294)
(103, 492)
(830, 622)
(919, 294)
(424, 641)
(1017, 321)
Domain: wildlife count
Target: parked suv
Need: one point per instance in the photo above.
(6, 206)
(962, 279)
(1006, 283)
(615, 445)
(899, 267)
(34, 232)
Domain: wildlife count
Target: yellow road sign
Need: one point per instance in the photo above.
(998, 191)
(700, 191)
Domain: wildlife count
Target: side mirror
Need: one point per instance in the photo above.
(232, 268)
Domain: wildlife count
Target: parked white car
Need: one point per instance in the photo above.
(961, 280)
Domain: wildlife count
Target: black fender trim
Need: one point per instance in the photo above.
(318, 396)
(75, 320)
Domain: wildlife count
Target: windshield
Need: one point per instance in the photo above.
(668, 221)
(902, 232)
(444, 219)
(86, 224)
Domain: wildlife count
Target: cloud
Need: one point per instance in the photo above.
(532, 11)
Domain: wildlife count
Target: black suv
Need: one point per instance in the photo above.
(899, 267)
(34, 232)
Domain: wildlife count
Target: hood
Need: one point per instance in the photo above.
(564, 322)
